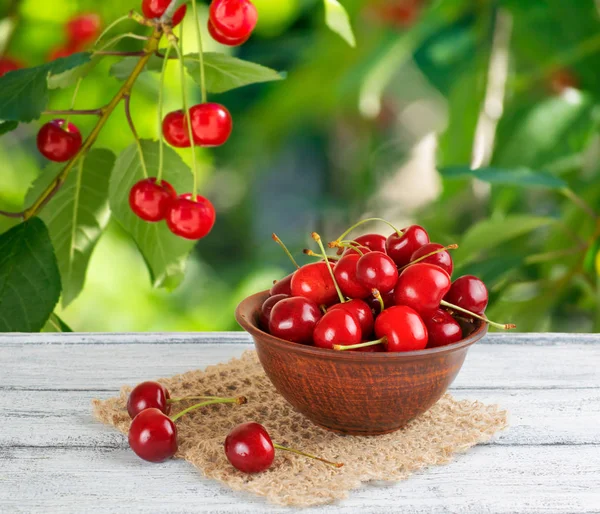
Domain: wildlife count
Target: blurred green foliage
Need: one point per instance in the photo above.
(511, 85)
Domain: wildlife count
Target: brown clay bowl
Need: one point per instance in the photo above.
(352, 392)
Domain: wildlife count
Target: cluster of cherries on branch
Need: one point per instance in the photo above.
(384, 294)
(153, 433)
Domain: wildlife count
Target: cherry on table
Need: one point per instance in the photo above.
(294, 319)
(153, 9)
(441, 258)
(314, 282)
(468, 292)
(233, 19)
(153, 436)
(83, 28)
(175, 129)
(150, 200)
(9, 64)
(422, 286)
(189, 218)
(376, 270)
(211, 124)
(148, 395)
(345, 275)
(401, 248)
(267, 307)
(361, 310)
(224, 40)
(442, 328)
(249, 448)
(283, 286)
(337, 326)
(57, 142)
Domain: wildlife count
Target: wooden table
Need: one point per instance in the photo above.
(55, 458)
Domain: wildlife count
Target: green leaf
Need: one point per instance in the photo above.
(29, 277)
(76, 216)
(56, 324)
(70, 77)
(8, 126)
(524, 177)
(24, 93)
(338, 21)
(165, 253)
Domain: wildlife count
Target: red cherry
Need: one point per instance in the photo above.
(361, 311)
(83, 28)
(283, 286)
(469, 293)
(294, 319)
(422, 287)
(441, 259)
(156, 8)
(345, 275)
(148, 395)
(314, 282)
(375, 270)
(249, 448)
(375, 305)
(211, 124)
(234, 19)
(175, 130)
(401, 248)
(153, 436)
(374, 242)
(337, 326)
(57, 143)
(267, 307)
(220, 38)
(190, 219)
(442, 329)
(358, 250)
(149, 200)
(403, 329)
(9, 64)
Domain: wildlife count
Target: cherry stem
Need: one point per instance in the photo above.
(506, 326)
(186, 398)
(127, 103)
(317, 238)
(239, 400)
(161, 138)
(333, 243)
(310, 253)
(341, 347)
(116, 39)
(112, 25)
(200, 52)
(377, 295)
(304, 454)
(285, 249)
(75, 112)
(350, 244)
(439, 250)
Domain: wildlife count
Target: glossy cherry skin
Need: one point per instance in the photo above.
(149, 200)
(403, 329)
(469, 293)
(442, 328)
(374, 242)
(175, 130)
(441, 259)
(83, 28)
(267, 307)
(294, 319)
(313, 281)
(361, 311)
(422, 287)
(283, 286)
(153, 436)
(233, 19)
(401, 248)
(220, 38)
(249, 448)
(9, 64)
(375, 305)
(211, 124)
(190, 219)
(345, 276)
(57, 144)
(337, 326)
(156, 8)
(357, 250)
(375, 270)
(148, 395)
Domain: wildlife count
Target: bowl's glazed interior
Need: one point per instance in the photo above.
(353, 392)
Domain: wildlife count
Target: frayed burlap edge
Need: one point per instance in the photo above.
(449, 427)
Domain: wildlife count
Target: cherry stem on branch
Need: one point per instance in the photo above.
(317, 238)
(304, 454)
(502, 326)
(200, 52)
(333, 244)
(240, 400)
(285, 249)
(135, 134)
(116, 39)
(111, 26)
(342, 348)
(439, 250)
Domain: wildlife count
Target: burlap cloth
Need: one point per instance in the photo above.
(449, 427)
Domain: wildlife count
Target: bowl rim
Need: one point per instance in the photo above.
(251, 326)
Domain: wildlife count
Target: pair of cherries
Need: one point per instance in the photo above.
(211, 126)
(80, 31)
(186, 216)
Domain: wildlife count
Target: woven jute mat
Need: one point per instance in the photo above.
(450, 426)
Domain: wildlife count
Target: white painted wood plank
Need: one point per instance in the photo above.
(490, 479)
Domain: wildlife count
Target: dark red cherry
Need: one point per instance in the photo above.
(9, 64)
(361, 311)
(211, 124)
(149, 200)
(422, 287)
(337, 326)
(234, 19)
(148, 395)
(294, 319)
(375, 270)
(220, 38)
(153, 9)
(374, 242)
(469, 293)
(357, 250)
(83, 28)
(249, 448)
(313, 281)
(441, 259)
(175, 130)
(401, 248)
(403, 329)
(57, 142)
(283, 286)
(442, 329)
(190, 219)
(345, 275)
(267, 307)
(375, 305)
(153, 436)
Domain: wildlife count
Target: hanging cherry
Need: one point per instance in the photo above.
(211, 124)
(57, 142)
(83, 28)
(190, 218)
(153, 9)
(234, 19)
(175, 129)
(150, 200)
(224, 40)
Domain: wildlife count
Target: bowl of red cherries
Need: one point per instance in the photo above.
(371, 334)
